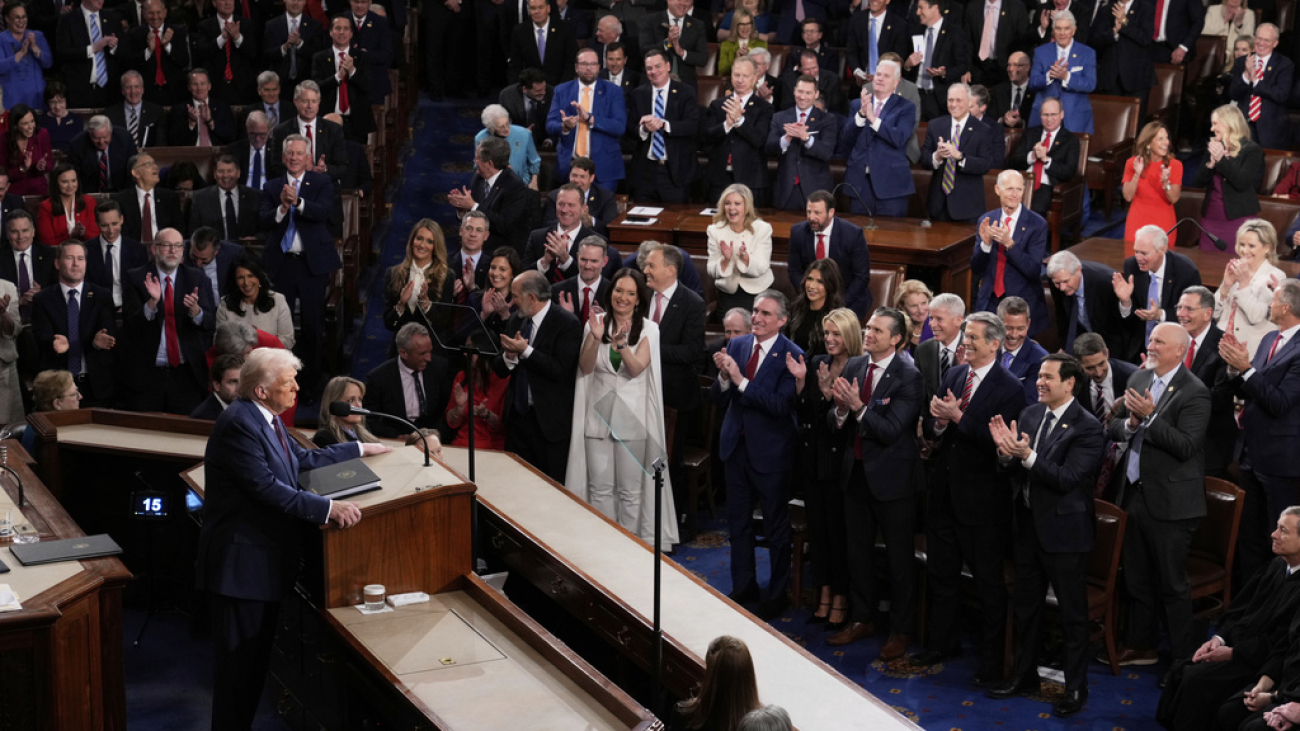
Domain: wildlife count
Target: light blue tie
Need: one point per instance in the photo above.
(1134, 472)
(541, 43)
(101, 66)
(875, 54)
(1007, 357)
(292, 229)
(1083, 309)
(1153, 295)
(657, 148)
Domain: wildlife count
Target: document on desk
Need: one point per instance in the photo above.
(643, 222)
(645, 211)
(8, 599)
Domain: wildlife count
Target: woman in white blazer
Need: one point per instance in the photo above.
(740, 250)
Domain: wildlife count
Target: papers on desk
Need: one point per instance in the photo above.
(709, 212)
(644, 211)
(8, 599)
(640, 222)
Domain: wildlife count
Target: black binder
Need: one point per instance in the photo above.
(340, 480)
(68, 549)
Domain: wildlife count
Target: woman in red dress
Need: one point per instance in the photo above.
(489, 407)
(25, 153)
(1153, 180)
(68, 213)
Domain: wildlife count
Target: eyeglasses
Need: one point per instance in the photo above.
(167, 246)
(145, 164)
(76, 393)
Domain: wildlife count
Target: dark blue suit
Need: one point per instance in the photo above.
(132, 254)
(314, 38)
(1023, 271)
(375, 39)
(757, 445)
(966, 201)
(889, 186)
(848, 248)
(1273, 130)
(802, 170)
(50, 318)
(610, 112)
(1078, 109)
(250, 546)
(1024, 366)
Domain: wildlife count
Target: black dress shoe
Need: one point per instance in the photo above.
(746, 596)
(985, 680)
(1071, 703)
(1013, 687)
(926, 658)
(770, 609)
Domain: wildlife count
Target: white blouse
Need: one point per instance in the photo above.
(753, 277)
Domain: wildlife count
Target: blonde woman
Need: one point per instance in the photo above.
(339, 429)
(420, 279)
(1242, 301)
(744, 38)
(740, 249)
(913, 300)
(1233, 171)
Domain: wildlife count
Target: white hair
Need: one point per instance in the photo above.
(1065, 15)
(263, 367)
(491, 113)
(1063, 261)
(950, 303)
(1155, 234)
(1009, 174)
(898, 69)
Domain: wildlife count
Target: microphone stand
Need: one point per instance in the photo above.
(871, 217)
(1219, 243)
(400, 420)
(657, 673)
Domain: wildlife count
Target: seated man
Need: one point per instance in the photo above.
(414, 385)
(224, 382)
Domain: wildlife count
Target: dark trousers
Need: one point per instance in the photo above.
(656, 185)
(1197, 693)
(870, 205)
(827, 534)
(526, 437)
(299, 285)
(1041, 201)
(1067, 574)
(949, 544)
(934, 102)
(170, 390)
(1266, 497)
(243, 632)
(864, 515)
(744, 486)
(1155, 576)
(495, 23)
(1233, 715)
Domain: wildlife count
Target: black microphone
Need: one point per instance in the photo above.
(1219, 243)
(343, 408)
(871, 217)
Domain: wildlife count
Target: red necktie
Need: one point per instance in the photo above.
(1191, 353)
(1160, 12)
(866, 401)
(659, 307)
(586, 303)
(343, 86)
(1256, 104)
(146, 221)
(169, 326)
(968, 389)
(230, 72)
(159, 77)
(311, 144)
(1038, 164)
(1273, 349)
(1000, 279)
(752, 366)
(821, 246)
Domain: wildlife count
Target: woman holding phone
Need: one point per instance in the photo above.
(1153, 180)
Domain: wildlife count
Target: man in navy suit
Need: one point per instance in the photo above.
(199, 120)
(1053, 453)
(469, 263)
(110, 255)
(553, 250)
(878, 400)
(1049, 150)
(101, 146)
(1065, 70)
(168, 314)
(250, 543)
(616, 69)
(1084, 297)
(682, 37)
(372, 36)
(803, 138)
(291, 39)
(577, 294)
(300, 255)
(957, 148)
(587, 118)
(224, 45)
(1153, 280)
(554, 56)
(539, 354)
(1121, 34)
(86, 353)
(602, 206)
(1107, 376)
(1196, 315)
(1020, 355)
(823, 235)
(216, 258)
(1269, 383)
(876, 136)
(812, 31)
(80, 59)
(970, 501)
(944, 59)
(1009, 258)
(756, 391)
(873, 34)
(163, 73)
(1263, 79)
(665, 117)
(344, 75)
(228, 207)
(499, 193)
(735, 133)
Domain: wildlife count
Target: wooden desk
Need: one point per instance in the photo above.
(1210, 263)
(945, 247)
(62, 652)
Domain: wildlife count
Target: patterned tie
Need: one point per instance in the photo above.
(821, 246)
(24, 284)
(968, 389)
(291, 230)
(873, 53)
(169, 326)
(103, 172)
(293, 53)
(878, 105)
(584, 131)
(1099, 405)
(159, 77)
(1038, 164)
(867, 388)
(1134, 471)
(420, 399)
(133, 126)
(1015, 100)
(343, 86)
(1255, 102)
(752, 366)
(950, 165)
(945, 360)
(229, 74)
(204, 139)
(74, 334)
(231, 217)
(101, 62)
(146, 221)
(1007, 357)
(658, 149)
(1000, 277)
(990, 28)
(272, 114)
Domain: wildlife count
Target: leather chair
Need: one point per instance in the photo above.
(780, 54)
(1166, 95)
(1286, 15)
(1209, 562)
(1066, 210)
(1199, 78)
(1276, 163)
(1115, 125)
(1103, 570)
(885, 283)
(710, 67)
(708, 88)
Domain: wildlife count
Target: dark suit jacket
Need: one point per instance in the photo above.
(1012, 35)
(1102, 310)
(572, 289)
(886, 428)
(1120, 372)
(456, 262)
(1183, 25)
(809, 165)
(765, 413)
(1064, 156)
(1180, 273)
(602, 206)
(578, 20)
(828, 84)
(175, 63)
(512, 98)
(630, 81)
(142, 335)
(966, 202)
(42, 258)
(848, 248)
(630, 49)
(180, 134)
(1221, 436)
(743, 147)
(510, 207)
(132, 255)
(561, 52)
(241, 150)
(1023, 272)
(551, 369)
(384, 394)
(681, 347)
(787, 27)
(250, 545)
(1025, 366)
(207, 206)
(152, 124)
(314, 38)
(683, 114)
(209, 409)
(930, 363)
(50, 318)
(1273, 130)
(1063, 477)
(70, 43)
(312, 224)
(166, 206)
(1124, 65)
(228, 253)
(1173, 455)
(891, 36)
(244, 60)
(1241, 176)
(1000, 98)
(373, 37)
(951, 50)
(966, 470)
(360, 120)
(1270, 419)
(330, 144)
(536, 249)
(694, 38)
(83, 156)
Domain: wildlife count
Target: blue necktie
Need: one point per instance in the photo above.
(101, 65)
(521, 373)
(658, 150)
(255, 182)
(874, 53)
(1153, 295)
(74, 334)
(1134, 472)
(1007, 357)
(292, 229)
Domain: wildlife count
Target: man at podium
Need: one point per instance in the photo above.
(249, 548)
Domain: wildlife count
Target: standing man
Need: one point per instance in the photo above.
(111, 255)
(541, 43)
(588, 116)
(100, 154)
(822, 235)
(1108, 377)
(327, 151)
(683, 39)
(616, 70)
(1260, 83)
(1053, 453)
(578, 294)
(664, 115)
(944, 59)
(1196, 314)
(1009, 258)
(1050, 153)
(757, 446)
(1067, 71)
(228, 207)
(872, 35)
(996, 29)
(1161, 484)
(736, 132)
(292, 38)
(602, 206)
(1085, 300)
(958, 149)
(1122, 35)
(199, 120)
(249, 547)
(877, 404)
(73, 326)
(936, 356)
(1011, 102)
(226, 48)
(803, 138)
(300, 255)
(85, 47)
(540, 356)
(345, 79)
(223, 380)
(876, 136)
(553, 250)
(143, 119)
(470, 263)
(1178, 25)
(1153, 280)
(147, 208)
(252, 152)
(970, 501)
(499, 193)
(160, 53)
(1020, 355)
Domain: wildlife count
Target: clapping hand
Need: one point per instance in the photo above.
(1123, 287)
(946, 408)
(1139, 164)
(797, 367)
(191, 302)
(1234, 353)
(726, 366)
(1139, 405)
(460, 198)
(1151, 313)
(847, 394)
(104, 341)
(1010, 440)
(516, 345)
(733, 109)
(597, 324)
(60, 344)
(321, 167)
(153, 287)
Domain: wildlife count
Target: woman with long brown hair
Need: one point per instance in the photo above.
(728, 692)
(821, 291)
(27, 153)
(1153, 182)
(67, 213)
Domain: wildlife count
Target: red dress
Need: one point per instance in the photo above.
(493, 394)
(34, 180)
(52, 230)
(1150, 205)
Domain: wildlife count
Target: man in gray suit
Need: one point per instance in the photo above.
(1163, 416)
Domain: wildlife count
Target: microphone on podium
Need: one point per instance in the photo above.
(343, 408)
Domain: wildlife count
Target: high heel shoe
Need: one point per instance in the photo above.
(832, 626)
(816, 619)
